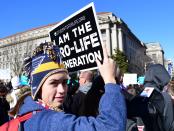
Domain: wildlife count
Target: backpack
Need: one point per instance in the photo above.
(14, 125)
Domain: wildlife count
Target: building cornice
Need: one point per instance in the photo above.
(24, 40)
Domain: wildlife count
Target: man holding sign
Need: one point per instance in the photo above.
(48, 84)
(44, 110)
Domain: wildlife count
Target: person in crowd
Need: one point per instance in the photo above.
(48, 79)
(157, 77)
(9, 86)
(4, 105)
(156, 110)
(85, 80)
(170, 90)
(15, 81)
(131, 90)
(85, 83)
(73, 86)
(18, 87)
(90, 105)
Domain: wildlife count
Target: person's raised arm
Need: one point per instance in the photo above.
(108, 68)
(112, 109)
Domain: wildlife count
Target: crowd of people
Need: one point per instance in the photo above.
(94, 101)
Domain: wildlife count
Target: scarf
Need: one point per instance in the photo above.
(51, 107)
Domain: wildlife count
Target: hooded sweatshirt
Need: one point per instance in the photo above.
(157, 77)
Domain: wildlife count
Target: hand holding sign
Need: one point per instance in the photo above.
(108, 68)
(79, 39)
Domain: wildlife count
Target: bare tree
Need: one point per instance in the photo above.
(17, 58)
(15, 62)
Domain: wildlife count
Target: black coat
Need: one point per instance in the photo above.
(4, 107)
(157, 110)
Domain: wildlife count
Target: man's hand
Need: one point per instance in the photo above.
(108, 68)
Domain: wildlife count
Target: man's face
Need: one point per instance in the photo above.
(82, 78)
(54, 89)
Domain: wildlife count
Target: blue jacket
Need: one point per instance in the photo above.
(112, 115)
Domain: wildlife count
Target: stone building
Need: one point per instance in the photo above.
(155, 52)
(115, 33)
(14, 48)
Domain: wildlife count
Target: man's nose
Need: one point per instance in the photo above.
(61, 88)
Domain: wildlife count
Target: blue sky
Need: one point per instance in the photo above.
(149, 20)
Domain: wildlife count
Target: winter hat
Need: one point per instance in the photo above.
(46, 60)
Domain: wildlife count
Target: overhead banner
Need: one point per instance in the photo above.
(79, 39)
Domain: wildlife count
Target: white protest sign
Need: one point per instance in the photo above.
(147, 92)
(129, 79)
(79, 39)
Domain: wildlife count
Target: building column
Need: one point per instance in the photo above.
(114, 38)
(120, 40)
(108, 40)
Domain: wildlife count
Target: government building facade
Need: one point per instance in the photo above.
(115, 33)
(155, 52)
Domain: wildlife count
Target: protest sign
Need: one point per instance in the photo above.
(147, 92)
(129, 79)
(79, 39)
(141, 80)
